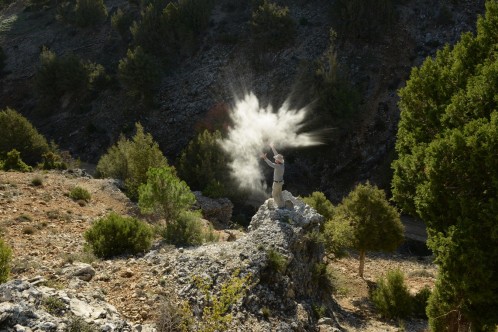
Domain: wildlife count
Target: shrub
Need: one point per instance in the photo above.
(321, 204)
(54, 306)
(14, 162)
(129, 160)
(98, 79)
(420, 301)
(216, 312)
(5, 259)
(140, 74)
(52, 160)
(204, 165)
(37, 181)
(276, 262)
(336, 98)
(363, 18)
(164, 194)
(18, 133)
(79, 193)
(321, 276)
(121, 22)
(90, 12)
(391, 297)
(28, 230)
(173, 317)
(115, 235)
(78, 324)
(185, 230)
(271, 26)
(171, 31)
(58, 76)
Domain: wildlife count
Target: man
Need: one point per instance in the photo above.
(278, 176)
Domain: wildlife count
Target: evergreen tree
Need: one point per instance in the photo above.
(129, 160)
(271, 25)
(368, 222)
(164, 194)
(19, 134)
(90, 12)
(321, 204)
(140, 75)
(204, 165)
(446, 173)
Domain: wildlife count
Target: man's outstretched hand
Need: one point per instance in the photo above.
(263, 156)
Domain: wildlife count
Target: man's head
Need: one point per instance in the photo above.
(279, 158)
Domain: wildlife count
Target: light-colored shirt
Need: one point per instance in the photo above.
(278, 170)
(278, 173)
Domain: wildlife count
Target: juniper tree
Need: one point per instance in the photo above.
(445, 173)
(365, 221)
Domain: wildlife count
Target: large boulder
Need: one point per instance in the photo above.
(278, 299)
(216, 210)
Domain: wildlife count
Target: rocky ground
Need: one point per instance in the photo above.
(45, 229)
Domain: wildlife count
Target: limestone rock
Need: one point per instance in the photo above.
(23, 311)
(216, 210)
(82, 271)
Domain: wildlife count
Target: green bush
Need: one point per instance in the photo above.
(54, 306)
(60, 75)
(90, 12)
(121, 22)
(420, 301)
(79, 193)
(321, 204)
(129, 160)
(336, 98)
(116, 235)
(140, 74)
(66, 75)
(52, 160)
(5, 258)
(19, 134)
(185, 230)
(14, 162)
(171, 31)
(363, 18)
(204, 165)
(37, 181)
(276, 262)
(271, 26)
(321, 276)
(391, 297)
(164, 194)
(78, 324)
(216, 316)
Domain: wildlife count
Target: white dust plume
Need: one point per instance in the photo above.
(254, 127)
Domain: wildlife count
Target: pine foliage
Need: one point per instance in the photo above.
(129, 160)
(165, 194)
(367, 222)
(116, 235)
(446, 172)
(19, 134)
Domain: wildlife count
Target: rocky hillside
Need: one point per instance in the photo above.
(52, 286)
(224, 65)
(55, 283)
